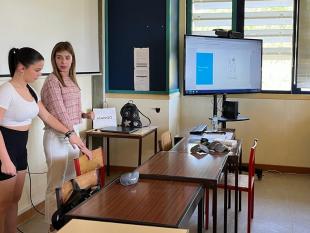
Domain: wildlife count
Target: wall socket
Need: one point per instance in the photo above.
(157, 110)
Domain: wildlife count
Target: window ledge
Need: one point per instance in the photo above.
(274, 96)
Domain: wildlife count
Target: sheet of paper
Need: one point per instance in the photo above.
(104, 117)
(141, 69)
(141, 58)
(142, 79)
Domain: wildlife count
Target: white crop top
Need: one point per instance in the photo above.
(19, 112)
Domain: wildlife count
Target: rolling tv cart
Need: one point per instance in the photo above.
(223, 121)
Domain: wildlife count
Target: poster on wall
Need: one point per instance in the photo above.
(141, 69)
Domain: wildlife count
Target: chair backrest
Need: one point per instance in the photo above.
(251, 165)
(85, 181)
(165, 142)
(84, 165)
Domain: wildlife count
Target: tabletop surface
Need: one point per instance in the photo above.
(139, 133)
(190, 140)
(149, 201)
(183, 166)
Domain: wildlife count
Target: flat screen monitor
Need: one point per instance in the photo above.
(216, 65)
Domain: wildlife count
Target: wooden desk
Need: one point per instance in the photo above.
(82, 226)
(140, 134)
(173, 165)
(180, 164)
(149, 202)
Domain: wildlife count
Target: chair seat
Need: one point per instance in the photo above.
(243, 181)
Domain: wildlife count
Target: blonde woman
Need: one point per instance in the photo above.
(62, 97)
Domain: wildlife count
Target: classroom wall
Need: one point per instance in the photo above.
(280, 122)
(36, 157)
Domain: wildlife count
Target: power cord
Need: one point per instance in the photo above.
(30, 193)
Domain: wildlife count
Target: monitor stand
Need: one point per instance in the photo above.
(223, 120)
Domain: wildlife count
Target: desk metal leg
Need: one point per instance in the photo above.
(201, 214)
(225, 199)
(89, 142)
(240, 171)
(155, 141)
(207, 208)
(214, 208)
(236, 196)
(108, 156)
(140, 151)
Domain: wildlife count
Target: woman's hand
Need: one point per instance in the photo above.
(8, 167)
(90, 115)
(76, 140)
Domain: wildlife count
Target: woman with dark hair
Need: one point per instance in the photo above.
(62, 97)
(19, 104)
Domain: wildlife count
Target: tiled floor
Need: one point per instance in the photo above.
(282, 205)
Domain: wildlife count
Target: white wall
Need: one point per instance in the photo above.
(41, 24)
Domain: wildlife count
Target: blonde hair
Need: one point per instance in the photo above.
(59, 47)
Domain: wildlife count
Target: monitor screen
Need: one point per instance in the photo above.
(216, 65)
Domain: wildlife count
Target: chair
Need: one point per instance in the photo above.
(165, 142)
(68, 195)
(85, 181)
(245, 184)
(84, 165)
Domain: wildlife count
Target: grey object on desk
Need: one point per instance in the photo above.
(129, 178)
(217, 146)
(199, 148)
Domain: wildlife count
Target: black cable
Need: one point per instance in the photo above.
(19, 230)
(33, 206)
(150, 122)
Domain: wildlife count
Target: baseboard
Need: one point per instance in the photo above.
(28, 214)
(117, 169)
(288, 169)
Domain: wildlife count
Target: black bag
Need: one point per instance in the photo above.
(78, 196)
(130, 115)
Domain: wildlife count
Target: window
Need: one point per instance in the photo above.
(303, 53)
(269, 20)
(210, 14)
(272, 21)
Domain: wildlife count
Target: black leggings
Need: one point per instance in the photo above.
(15, 143)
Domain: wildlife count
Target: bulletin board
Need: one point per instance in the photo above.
(136, 24)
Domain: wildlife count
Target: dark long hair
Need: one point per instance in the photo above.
(59, 47)
(25, 56)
